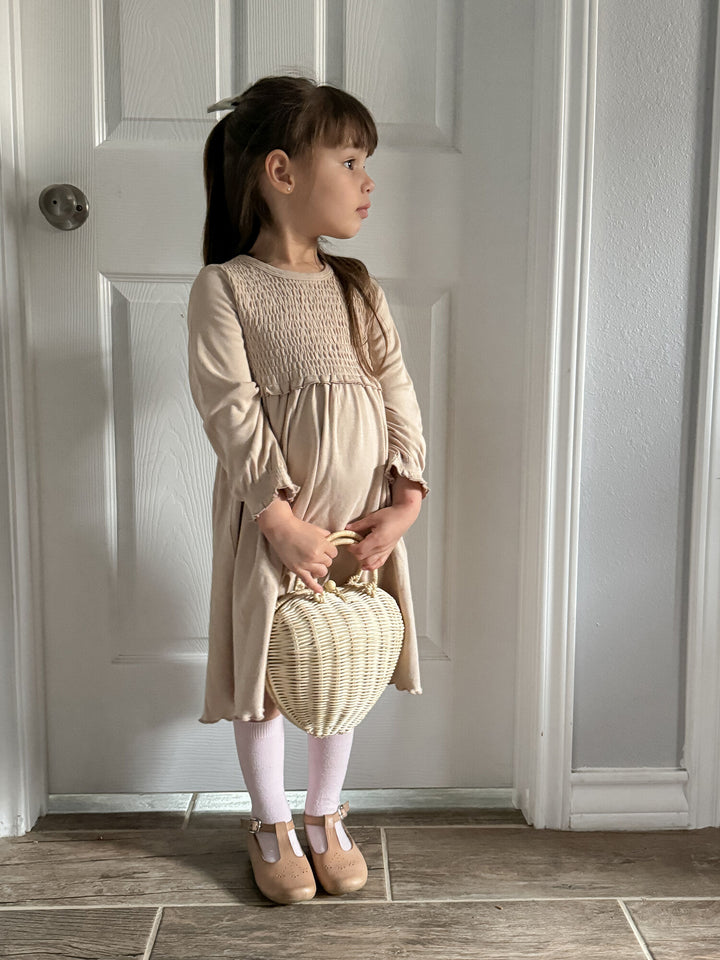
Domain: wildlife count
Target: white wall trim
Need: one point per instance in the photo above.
(23, 751)
(638, 798)
(559, 239)
(701, 755)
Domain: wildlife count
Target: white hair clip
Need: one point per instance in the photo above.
(229, 103)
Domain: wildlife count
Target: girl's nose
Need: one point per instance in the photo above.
(370, 185)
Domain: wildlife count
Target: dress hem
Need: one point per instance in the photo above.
(416, 691)
(245, 717)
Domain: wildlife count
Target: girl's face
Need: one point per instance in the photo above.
(332, 192)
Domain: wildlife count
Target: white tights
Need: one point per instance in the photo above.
(261, 752)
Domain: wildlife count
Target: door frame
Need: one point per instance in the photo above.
(561, 194)
(556, 317)
(23, 747)
(701, 756)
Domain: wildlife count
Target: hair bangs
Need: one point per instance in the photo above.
(335, 118)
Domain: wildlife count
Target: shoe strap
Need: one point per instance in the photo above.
(329, 818)
(253, 824)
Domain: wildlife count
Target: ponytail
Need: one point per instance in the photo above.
(220, 234)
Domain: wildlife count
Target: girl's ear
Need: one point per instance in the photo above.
(277, 169)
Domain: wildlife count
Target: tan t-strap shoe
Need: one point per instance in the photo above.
(290, 879)
(339, 871)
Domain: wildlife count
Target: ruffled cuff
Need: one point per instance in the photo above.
(267, 489)
(400, 466)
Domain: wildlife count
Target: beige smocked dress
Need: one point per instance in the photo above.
(287, 406)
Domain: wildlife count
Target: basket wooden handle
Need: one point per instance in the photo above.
(344, 536)
(339, 538)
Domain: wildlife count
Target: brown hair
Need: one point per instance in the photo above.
(293, 114)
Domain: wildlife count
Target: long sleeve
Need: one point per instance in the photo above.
(406, 444)
(228, 398)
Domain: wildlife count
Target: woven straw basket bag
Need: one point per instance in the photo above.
(332, 654)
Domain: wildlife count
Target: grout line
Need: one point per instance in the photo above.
(192, 803)
(698, 896)
(189, 811)
(29, 908)
(8, 907)
(153, 934)
(386, 864)
(41, 836)
(633, 926)
(448, 826)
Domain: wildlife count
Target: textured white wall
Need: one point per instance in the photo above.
(647, 218)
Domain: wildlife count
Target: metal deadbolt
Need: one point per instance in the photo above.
(64, 206)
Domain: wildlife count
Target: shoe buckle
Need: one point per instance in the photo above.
(342, 811)
(255, 824)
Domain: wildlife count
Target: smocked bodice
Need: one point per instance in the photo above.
(295, 327)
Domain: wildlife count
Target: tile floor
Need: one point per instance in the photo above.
(168, 877)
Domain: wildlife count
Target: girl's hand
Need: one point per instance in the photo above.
(302, 546)
(382, 530)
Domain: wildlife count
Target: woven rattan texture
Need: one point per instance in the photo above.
(332, 655)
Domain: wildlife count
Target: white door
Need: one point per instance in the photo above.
(115, 97)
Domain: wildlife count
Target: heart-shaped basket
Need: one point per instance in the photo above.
(332, 654)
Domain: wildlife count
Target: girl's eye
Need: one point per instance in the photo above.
(353, 160)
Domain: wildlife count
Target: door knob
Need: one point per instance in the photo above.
(64, 206)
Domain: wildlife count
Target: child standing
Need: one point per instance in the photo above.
(296, 369)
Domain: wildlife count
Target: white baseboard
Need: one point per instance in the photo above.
(628, 798)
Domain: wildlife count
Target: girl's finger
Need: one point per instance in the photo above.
(364, 523)
(368, 542)
(369, 563)
(377, 550)
(378, 559)
(309, 581)
(363, 550)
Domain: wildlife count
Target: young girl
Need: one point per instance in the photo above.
(296, 369)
